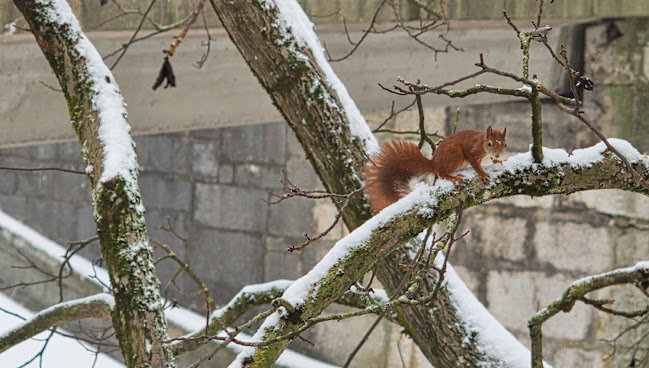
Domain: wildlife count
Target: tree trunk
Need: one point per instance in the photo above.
(323, 129)
(95, 107)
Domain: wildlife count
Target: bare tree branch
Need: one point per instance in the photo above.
(96, 306)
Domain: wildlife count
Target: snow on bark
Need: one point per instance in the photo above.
(103, 298)
(114, 131)
(497, 345)
(59, 349)
(296, 27)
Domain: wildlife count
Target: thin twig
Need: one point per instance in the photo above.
(32, 169)
(139, 27)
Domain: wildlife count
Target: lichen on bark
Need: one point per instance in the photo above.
(138, 316)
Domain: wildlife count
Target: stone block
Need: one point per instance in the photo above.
(258, 176)
(167, 153)
(631, 245)
(608, 327)
(578, 358)
(280, 244)
(282, 265)
(28, 184)
(35, 153)
(511, 297)
(157, 219)
(56, 219)
(324, 214)
(69, 152)
(228, 207)
(8, 181)
(403, 352)
(86, 226)
(226, 173)
(24, 152)
(486, 236)
(314, 253)
(293, 147)
(576, 247)
(164, 192)
(226, 260)
(374, 352)
(44, 152)
(292, 217)
(14, 206)
(301, 173)
(470, 278)
(204, 160)
(211, 134)
(61, 186)
(614, 202)
(262, 143)
(514, 297)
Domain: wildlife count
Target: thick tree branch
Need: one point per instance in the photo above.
(356, 254)
(286, 61)
(98, 117)
(256, 295)
(96, 306)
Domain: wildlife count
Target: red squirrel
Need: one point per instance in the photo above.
(388, 172)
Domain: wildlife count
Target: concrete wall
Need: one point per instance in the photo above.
(224, 92)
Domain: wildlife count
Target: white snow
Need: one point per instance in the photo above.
(80, 265)
(492, 337)
(584, 157)
(114, 130)
(61, 351)
(292, 20)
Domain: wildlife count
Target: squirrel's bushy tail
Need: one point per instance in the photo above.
(389, 171)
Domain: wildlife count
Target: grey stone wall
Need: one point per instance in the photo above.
(212, 185)
(520, 253)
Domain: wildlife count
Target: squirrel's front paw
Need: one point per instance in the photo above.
(496, 161)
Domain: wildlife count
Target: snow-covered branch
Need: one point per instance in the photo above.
(96, 306)
(98, 116)
(356, 254)
(251, 296)
(637, 274)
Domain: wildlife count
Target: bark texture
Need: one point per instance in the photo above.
(138, 316)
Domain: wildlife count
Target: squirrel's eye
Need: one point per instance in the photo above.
(489, 144)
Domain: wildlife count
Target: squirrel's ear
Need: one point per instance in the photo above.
(490, 131)
(505, 132)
